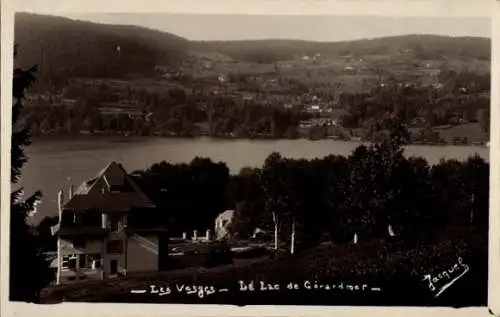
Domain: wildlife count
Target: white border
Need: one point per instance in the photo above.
(436, 8)
(494, 227)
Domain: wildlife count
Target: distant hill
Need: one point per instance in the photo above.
(422, 46)
(63, 47)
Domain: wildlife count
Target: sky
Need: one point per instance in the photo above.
(307, 27)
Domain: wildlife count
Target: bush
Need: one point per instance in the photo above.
(251, 253)
(218, 254)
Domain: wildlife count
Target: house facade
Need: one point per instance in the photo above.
(108, 228)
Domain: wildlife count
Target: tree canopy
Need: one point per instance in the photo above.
(29, 268)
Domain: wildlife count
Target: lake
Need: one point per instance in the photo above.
(56, 163)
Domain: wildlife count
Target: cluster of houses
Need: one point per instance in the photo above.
(107, 228)
(54, 100)
(319, 122)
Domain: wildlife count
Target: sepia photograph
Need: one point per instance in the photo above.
(327, 160)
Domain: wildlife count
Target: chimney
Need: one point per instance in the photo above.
(184, 236)
(70, 194)
(60, 203)
(195, 235)
(104, 220)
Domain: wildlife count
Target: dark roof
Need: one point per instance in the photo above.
(109, 202)
(111, 190)
(81, 231)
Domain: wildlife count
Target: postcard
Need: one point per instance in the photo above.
(247, 159)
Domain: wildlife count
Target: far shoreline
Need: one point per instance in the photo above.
(113, 138)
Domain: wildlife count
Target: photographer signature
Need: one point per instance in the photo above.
(443, 280)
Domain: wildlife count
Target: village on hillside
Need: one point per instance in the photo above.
(311, 98)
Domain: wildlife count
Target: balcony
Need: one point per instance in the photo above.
(115, 247)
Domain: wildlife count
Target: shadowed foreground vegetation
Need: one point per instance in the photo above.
(397, 273)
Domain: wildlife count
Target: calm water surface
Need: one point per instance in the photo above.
(56, 163)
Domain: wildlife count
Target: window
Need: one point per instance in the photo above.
(79, 243)
(114, 247)
(114, 223)
(77, 219)
(96, 264)
(68, 218)
(82, 260)
(92, 218)
(65, 263)
(72, 263)
(93, 261)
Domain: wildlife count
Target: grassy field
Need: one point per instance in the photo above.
(471, 131)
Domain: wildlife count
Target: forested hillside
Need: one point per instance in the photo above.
(67, 48)
(424, 47)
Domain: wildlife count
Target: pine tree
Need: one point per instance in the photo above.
(29, 269)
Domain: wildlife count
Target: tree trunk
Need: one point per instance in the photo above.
(275, 220)
(391, 232)
(292, 245)
(472, 210)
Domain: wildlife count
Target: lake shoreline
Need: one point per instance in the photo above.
(138, 139)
